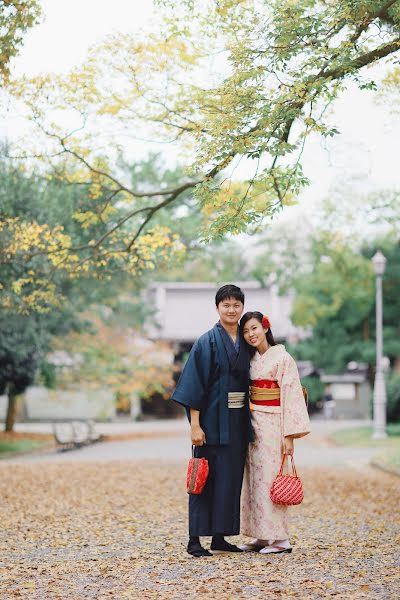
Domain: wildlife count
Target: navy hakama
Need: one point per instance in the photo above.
(217, 510)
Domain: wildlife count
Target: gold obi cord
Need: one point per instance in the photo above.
(236, 399)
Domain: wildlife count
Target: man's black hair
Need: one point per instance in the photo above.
(229, 291)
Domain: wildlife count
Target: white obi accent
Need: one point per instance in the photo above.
(267, 409)
(236, 399)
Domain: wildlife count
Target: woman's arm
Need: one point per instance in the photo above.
(296, 422)
(289, 445)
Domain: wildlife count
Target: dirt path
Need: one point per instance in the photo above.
(169, 440)
(117, 530)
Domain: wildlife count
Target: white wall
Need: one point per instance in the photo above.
(43, 404)
(185, 311)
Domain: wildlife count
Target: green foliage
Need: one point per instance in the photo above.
(185, 218)
(26, 337)
(331, 346)
(24, 342)
(288, 60)
(8, 446)
(315, 389)
(115, 356)
(362, 436)
(393, 397)
(48, 374)
(337, 301)
(329, 269)
(339, 276)
(16, 18)
(68, 233)
(21, 348)
(32, 208)
(220, 81)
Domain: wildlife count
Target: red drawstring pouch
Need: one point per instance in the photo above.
(197, 474)
(287, 489)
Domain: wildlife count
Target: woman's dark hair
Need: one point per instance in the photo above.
(229, 291)
(254, 314)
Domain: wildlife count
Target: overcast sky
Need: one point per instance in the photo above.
(366, 151)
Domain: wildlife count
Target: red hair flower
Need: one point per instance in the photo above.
(265, 322)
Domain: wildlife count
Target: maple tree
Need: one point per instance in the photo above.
(31, 202)
(390, 90)
(111, 354)
(41, 224)
(219, 82)
(16, 18)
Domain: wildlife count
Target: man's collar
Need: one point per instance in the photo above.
(220, 326)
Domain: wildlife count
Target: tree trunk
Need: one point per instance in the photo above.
(11, 408)
(366, 331)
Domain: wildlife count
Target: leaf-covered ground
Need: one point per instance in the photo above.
(118, 530)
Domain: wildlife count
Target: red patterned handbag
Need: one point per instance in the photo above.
(287, 489)
(197, 474)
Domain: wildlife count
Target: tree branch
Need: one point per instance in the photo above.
(154, 209)
(328, 75)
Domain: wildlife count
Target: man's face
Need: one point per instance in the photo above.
(230, 311)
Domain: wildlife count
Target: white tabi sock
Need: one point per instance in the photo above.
(281, 543)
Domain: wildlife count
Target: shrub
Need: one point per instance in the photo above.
(393, 397)
(315, 389)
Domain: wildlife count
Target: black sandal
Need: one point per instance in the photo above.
(197, 550)
(224, 546)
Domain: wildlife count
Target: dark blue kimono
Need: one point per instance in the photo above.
(214, 368)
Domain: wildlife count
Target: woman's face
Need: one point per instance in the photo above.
(254, 332)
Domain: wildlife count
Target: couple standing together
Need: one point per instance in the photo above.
(245, 404)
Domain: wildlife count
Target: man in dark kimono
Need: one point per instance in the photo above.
(213, 388)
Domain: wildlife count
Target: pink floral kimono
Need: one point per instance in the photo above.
(260, 517)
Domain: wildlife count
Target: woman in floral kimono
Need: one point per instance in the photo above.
(279, 415)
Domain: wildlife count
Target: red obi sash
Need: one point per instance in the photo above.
(264, 383)
(265, 392)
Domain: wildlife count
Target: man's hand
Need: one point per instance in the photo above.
(198, 436)
(289, 446)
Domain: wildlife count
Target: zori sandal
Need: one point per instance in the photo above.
(254, 546)
(275, 549)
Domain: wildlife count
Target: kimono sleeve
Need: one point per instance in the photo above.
(296, 421)
(191, 390)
